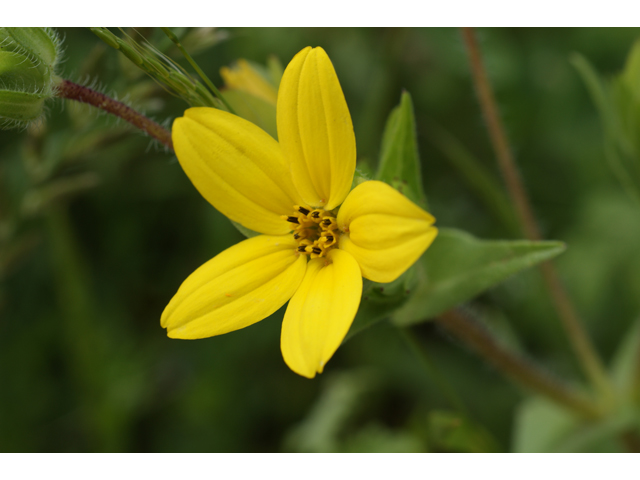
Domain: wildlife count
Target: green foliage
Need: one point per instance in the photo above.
(320, 431)
(19, 108)
(19, 71)
(39, 44)
(380, 300)
(28, 57)
(452, 432)
(624, 371)
(159, 67)
(479, 178)
(399, 161)
(618, 103)
(544, 427)
(457, 267)
(540, 426)
(98, 229)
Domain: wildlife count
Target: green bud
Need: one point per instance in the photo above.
(28, 57)
(17, 71)
(41, 44)
(19, 108)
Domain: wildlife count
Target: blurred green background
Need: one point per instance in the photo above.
(100, 226)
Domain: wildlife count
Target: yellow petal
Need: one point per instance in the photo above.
(315, 129)
(383, 230)
(237, 167)
(320, 313)
(237, 288)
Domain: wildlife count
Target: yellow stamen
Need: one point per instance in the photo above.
(316, 230)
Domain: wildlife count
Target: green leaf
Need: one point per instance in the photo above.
(378, 438)
(625, 362)
(380, 300)
(615, 143)
(596, 89)
(399, 160)
(631, 73)
(340, 399)
(458, 267)
(452, 432)
(604, 436)
(541, 425)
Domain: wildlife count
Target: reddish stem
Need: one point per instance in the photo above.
(73, 91)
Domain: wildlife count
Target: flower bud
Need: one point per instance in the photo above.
(253, 93)
(28, 57)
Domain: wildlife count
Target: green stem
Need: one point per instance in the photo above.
(197, 68)
(517, 368)
(432, 372)
(73, 91)
(586, 353)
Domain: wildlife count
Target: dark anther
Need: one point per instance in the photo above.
(301, 248)
(293, 219)
(296, 236)
(303, 210)
(330, 238)
(315, 214)
(316, 250)
(326, 222)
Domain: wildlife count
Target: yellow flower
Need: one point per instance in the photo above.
(310, 252)
(242, 76)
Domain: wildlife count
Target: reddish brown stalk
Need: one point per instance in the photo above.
(73, 91)
(514, 366)
(581, 343)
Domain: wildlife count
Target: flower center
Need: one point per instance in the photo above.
(315, 230)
